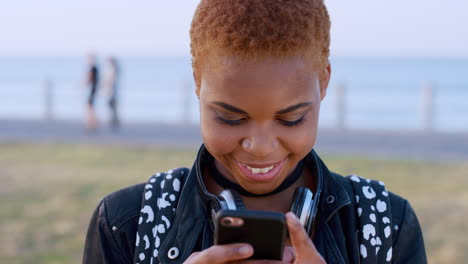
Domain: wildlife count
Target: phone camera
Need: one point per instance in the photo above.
(229, 221)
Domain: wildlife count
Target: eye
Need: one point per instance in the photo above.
(228, 121)
(292, 123)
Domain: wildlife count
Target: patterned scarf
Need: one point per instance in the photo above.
(157, 211)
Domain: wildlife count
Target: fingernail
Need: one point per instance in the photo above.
(293, 221)
(292, 215)
(245, 250)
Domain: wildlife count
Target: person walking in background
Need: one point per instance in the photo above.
(92, 79)
(111, 76)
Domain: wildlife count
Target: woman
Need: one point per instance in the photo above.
(261, 71)
(92, 80)
(111, 82)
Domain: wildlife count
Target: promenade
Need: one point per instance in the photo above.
(376, 144)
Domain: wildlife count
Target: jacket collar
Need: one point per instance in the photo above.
(334, 194)
(207, 197)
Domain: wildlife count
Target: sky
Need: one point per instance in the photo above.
(372, 28)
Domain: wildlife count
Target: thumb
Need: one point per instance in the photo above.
(305, 249)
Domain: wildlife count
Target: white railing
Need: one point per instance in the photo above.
(186, 105)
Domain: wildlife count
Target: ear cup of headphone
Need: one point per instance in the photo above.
(227, 200)
(231, 200)
(303, 206)
(296, 201)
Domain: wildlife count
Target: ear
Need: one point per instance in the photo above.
(197, 79)
(324, 80)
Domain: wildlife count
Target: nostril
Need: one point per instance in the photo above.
(260, 145)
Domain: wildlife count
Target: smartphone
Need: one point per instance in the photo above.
(265, 231)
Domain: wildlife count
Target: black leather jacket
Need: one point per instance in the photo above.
(111, 234)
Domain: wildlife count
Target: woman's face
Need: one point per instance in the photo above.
(260, 119)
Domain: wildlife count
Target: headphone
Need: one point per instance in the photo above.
(304, 205)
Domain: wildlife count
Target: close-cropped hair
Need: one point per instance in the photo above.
(255, 29)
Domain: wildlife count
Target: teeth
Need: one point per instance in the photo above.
(260, 170)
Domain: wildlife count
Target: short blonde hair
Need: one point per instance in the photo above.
(253, 29)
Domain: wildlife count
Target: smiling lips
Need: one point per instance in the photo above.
(261, 174)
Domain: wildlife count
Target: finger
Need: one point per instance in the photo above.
(288, 258)
(257, 262)
(300, 240)
(224, 253)
(191, 257)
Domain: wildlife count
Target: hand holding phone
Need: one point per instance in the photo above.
(302, 251)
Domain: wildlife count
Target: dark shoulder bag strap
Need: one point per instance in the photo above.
(158, 207)
(374, 220)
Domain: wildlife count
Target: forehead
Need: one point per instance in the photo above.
(233, 79)
(232, 64)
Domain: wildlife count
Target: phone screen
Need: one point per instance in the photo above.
(265, 231)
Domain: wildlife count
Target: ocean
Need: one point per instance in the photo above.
(385, 93)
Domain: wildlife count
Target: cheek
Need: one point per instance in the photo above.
(219, 139)
(301, 140)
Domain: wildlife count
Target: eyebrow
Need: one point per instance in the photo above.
(280, 112)
(293, 107)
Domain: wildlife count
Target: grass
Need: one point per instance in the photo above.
(48, 192)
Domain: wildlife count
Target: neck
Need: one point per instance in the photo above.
(279, 202)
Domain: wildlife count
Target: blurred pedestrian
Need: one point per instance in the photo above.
(92, 80)
(111, 78)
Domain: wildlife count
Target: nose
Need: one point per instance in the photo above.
(261, 142)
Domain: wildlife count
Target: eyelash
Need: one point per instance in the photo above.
(239, 121)
(293, 123)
